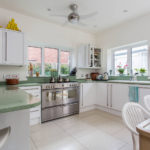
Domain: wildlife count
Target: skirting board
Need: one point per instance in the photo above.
(106, 109)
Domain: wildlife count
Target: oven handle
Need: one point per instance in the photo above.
(54, 90)
(69, 88)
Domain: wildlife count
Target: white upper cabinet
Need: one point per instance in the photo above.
(83, 57)
(89, 57)
(1, 46)
(12, 48)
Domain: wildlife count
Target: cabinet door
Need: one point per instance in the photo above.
(14, 48)
(119, 96)
(81, 57)
(101, 94)
(1, 46)
(143, 91)
(88, 97)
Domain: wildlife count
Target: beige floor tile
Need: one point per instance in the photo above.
(92, 130)
(124, 135)
(100, 141)
(60, 143)
(32, 145)
(127, 147)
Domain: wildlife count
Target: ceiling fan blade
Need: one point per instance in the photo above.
(65, 24)
(81, 23)
(58, 16)
(88, 15)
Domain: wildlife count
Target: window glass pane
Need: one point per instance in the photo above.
(120, 58)
(64, 62)
(139, 58)
(51, 60)
(34, 57)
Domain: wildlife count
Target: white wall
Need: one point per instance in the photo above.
(130, 32)
(39, 31)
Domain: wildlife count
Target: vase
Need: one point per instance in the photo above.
(121, 74)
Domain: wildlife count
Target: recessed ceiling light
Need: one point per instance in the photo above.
(48, 9)
(125, 10)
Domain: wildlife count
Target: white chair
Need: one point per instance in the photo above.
(132, 115)
(147, 102)
(4, 134)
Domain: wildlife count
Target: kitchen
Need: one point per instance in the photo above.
(48, 48)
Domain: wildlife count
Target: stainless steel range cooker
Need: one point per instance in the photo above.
(59, 100)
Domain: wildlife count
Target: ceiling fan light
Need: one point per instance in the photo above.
(73, 18)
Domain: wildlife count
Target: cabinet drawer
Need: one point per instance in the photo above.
(52, 113)
(71, 109)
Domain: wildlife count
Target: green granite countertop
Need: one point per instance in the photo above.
(12, 99)
(129, 82)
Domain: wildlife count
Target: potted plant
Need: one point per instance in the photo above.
(142, 71)
(121, 69)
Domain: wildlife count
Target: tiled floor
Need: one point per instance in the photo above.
(93, 130)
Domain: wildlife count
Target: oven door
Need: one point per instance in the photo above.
(51, 98)
(70, 95)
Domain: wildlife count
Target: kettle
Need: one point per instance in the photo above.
(105, 76)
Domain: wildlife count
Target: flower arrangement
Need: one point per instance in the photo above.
(121, 69)
(142, 71)
(53, 72)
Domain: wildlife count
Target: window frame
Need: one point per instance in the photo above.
(129, 48)
(43, 46)
(70, 61)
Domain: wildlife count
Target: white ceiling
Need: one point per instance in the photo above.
(110, 12)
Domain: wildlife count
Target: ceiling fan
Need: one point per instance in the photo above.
(74, 17)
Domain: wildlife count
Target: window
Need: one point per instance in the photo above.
(47, 60)
(50, 60)
(135, 56)
(139, 58)
(64, 62)
(120, 59)
(34, 57)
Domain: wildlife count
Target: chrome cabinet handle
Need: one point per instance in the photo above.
(82, 95)
(5, 46)
(111, 96)
(107, 94)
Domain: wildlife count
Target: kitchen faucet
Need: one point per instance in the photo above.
(133, 77)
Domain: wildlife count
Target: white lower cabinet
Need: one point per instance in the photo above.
(35, 112)
(143, 91)
(118, 95)
(87, 95)
(102, 94)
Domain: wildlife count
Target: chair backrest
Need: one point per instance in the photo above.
(147, 102)
(132, 115)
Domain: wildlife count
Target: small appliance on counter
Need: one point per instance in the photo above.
(12, 79)
(52, 80)
(94, 75)
(99, 77)
(73, 72)
(60, 79)
(105, 76)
